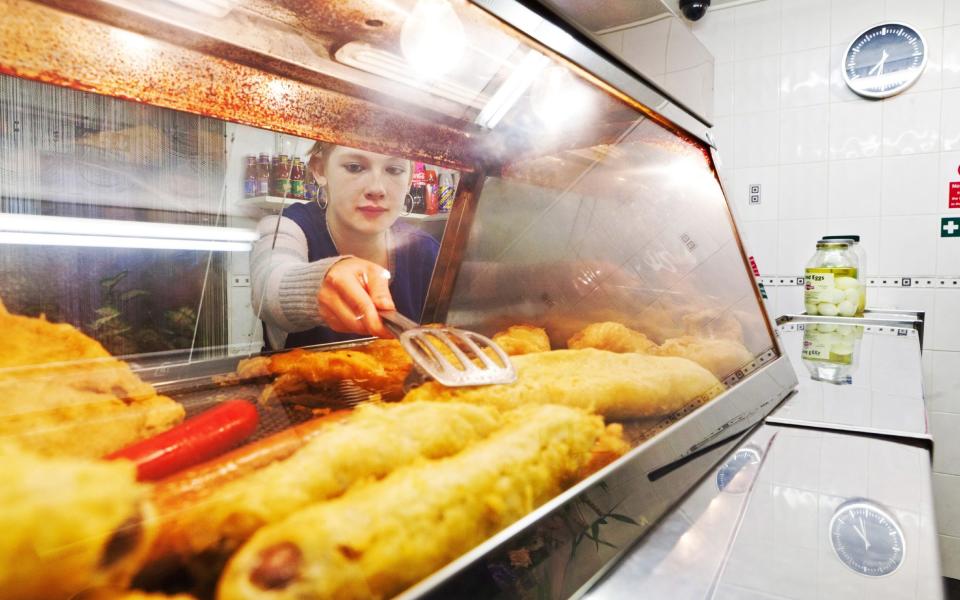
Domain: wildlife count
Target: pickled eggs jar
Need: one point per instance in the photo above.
(831, 286)
(830, 351)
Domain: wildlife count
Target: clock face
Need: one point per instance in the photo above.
(866, 538)
(745, 460)
(884, 59)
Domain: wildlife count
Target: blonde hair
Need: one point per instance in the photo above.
(319, 152)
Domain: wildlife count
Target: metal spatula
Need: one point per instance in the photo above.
(430, 348)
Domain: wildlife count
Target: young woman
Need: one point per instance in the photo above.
(322, 270)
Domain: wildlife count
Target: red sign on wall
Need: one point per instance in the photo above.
(955, 194)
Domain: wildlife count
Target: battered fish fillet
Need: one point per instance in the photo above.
(380, 538)
(713, 323)
(523, 339)
(370, 443)
(379, 366)
(612, 336)
(69, 524)
(610, 446)
(120, 594)
(618, 386)
(61, 393)
(720, 357)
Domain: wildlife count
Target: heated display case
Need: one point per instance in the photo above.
(587, 211)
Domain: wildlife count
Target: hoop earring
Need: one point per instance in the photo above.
(322, 198)
(407, 205)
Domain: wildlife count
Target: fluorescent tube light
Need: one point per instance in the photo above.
(214, 8)
(72, 231)
(390, 66)
(510, 91)
(105, 241)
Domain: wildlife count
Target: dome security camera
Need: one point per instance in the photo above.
(694, 10)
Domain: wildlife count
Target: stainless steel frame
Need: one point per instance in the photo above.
(891, 317)
(642, 486)
(760, 526)
(577, 46)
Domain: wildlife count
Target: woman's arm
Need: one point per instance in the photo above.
(284, 283)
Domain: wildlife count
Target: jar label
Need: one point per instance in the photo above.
(832, 291)
(825, 347)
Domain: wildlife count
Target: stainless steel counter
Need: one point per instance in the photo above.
(863, 375)
(782, 517)
(830, 498)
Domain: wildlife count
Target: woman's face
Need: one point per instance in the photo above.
(365, 190)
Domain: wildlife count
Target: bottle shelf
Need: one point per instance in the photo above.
(275, 202)
(419, 217)
(268, 202)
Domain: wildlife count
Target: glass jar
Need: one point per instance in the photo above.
(830, 351)
(857, 248)
(831, 286)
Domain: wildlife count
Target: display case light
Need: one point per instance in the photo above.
(432, 38)
(390, 66)
(512, 89)
(214, 8)
(108, 233)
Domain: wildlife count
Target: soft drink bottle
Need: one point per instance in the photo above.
(445, 192)
(263, 175)
(250, 178)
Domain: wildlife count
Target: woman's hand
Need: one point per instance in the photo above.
(352, 293)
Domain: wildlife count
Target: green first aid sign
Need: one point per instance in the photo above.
(950, 227)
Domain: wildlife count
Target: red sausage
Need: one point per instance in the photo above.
(195, 440)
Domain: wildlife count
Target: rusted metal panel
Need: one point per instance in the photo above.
(41, 43)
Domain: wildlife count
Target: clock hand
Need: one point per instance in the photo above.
(862, 532)
(878, 68)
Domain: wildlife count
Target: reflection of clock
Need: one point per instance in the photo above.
(867, 538)
(884, 60)
(745, 458)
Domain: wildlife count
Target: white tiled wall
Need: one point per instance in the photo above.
(831, 162)
(666, 51)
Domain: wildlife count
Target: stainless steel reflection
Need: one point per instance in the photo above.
(872, 383)
(641, 486)
(775, 541)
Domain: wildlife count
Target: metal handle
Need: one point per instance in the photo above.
(396, 322)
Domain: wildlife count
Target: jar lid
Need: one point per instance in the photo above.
(851, 236)
(832, 245)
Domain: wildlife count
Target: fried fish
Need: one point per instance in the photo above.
(63, 394)
(612, 336)
(379, 539)
(69, 524)
(618, 386)
(368, 444)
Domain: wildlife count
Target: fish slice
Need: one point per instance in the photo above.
(473, 365)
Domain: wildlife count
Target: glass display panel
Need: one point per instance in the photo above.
(175, 416)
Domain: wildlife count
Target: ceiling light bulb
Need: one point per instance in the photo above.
(559, 99)
(432, 38)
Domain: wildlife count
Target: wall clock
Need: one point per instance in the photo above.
(867, 538)
(884, 60)
(746, 460)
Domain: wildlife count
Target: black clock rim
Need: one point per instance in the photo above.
(904, 87)
(878, 508)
